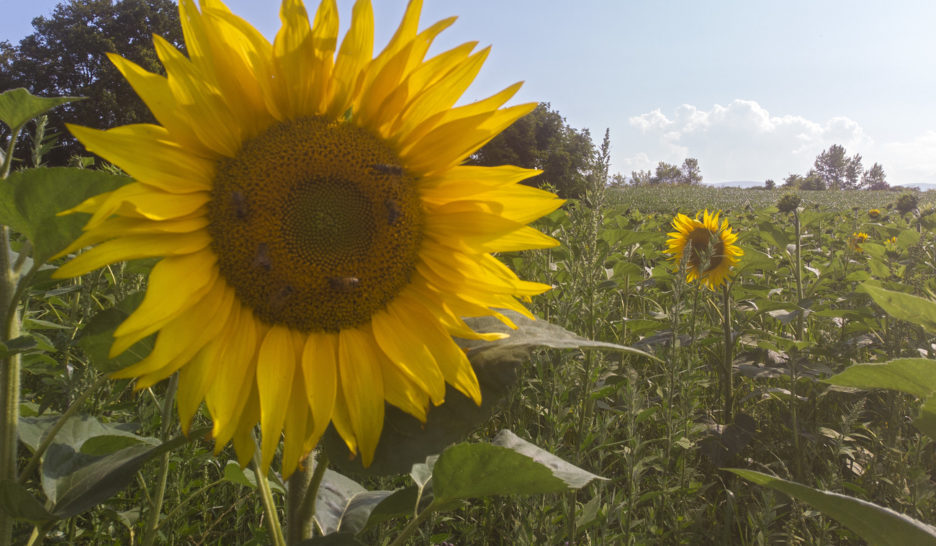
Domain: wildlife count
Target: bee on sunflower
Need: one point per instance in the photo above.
(319, 238)
(707, 247)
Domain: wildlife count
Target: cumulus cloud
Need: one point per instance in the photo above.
(743, 141)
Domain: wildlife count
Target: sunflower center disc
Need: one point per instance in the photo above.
(315, 225)
(700, 239)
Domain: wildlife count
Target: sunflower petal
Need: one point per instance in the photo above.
(362, 387)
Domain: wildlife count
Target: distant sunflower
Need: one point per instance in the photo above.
(874, 214)
(713, 248)
(856, 239)
(320, 239)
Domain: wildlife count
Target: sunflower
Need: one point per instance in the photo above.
(713, 249)
(874, 214)
(856, 239)
(319, 238)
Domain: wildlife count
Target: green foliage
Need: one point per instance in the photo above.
(543, 140)
(878, 525)
(31, 199)
(66, 56)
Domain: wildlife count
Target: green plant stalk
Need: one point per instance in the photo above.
(48, 438)
(300, 497)
(729, 352)
(794, 416)
(9, 376)
(152, 520)
(266, 497)
(8, 159)
(411, 527)
(185, 503)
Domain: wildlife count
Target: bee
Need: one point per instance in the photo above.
(393, 211)
(262, 258)
(382, 168)
(280, 299)
(343, 284)
(239, 204)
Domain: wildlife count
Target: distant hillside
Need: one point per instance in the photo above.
(922, 186)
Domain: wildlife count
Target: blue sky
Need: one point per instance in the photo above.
(754, 90)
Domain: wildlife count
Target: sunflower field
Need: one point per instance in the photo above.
(290, 312)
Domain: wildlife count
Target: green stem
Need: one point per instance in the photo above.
(8, 159)
(411, 527)
(152, 520)
(300, 498)
(798, 273)
(186, 503)
(266, 497)
(9, 377)
(50, 436)
(729, 353)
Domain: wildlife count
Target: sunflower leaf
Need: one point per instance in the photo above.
(17, 106)
(906, 307)
(344, 506)
(30, 200)
(507, 466)
(18, 502)
(80, 489)
(876, 524)
(98, 335)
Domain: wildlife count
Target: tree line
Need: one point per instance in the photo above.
(833, 169)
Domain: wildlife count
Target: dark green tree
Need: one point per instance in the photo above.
(666, 173)
(66, 55)
(641, 178)
(837, 170)
(874, 178)
(543, 140)
(769, 184)
(691, 173)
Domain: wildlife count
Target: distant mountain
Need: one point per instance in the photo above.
(922, 186)
(736, 184)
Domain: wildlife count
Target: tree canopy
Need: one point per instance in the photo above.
(543, 140)
(833, 169)
(66, 55)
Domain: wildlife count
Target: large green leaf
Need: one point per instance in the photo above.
(344, 506)
(904, 306)
(508, 466)
(875, 524)
(18, 502)
(17, 106)
(405, 441)
(97, 337)
(30, 200)
(916, 376)
(92, 484)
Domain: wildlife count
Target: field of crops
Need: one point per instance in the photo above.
(732, 377)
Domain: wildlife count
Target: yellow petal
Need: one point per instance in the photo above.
(131, 248)
(401, 341)
(354, 55)
(304, 56)
(320, 372)
(452, 360)
(294, 429)
(449, 144)
(276, 368)
(226, 396)
(175, 284)
(362, 387)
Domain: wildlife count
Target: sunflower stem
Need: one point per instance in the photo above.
(9, 375)
(266, 497)
(152, 521)
(729, 352)
(414, 524)
(301, 495)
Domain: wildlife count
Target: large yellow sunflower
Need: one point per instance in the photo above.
(713, 248)
(320, 239)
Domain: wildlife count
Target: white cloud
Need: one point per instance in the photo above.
(911, 161)
(743, 141)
